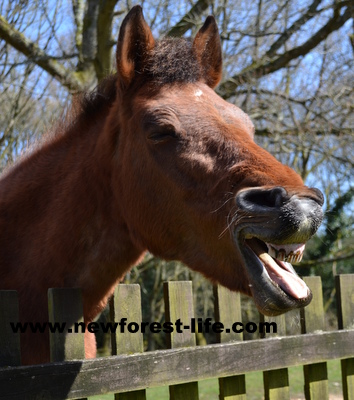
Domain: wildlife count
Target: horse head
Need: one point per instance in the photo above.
(191, 183)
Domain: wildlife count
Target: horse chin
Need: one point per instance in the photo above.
(274, 284)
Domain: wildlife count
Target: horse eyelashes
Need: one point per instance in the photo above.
(163, 135)
(159, 132)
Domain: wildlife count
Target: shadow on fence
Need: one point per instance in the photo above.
(131, 370)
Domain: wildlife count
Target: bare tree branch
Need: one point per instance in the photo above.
(295, 131)
(293, 28)
(330, 260)
(265, 67)
(188, 21)
(39, 57)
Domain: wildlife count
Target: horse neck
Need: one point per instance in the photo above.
(61, 200)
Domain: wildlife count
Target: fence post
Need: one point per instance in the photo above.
(276, 382)
(312, 320)
(228, 311)
(345, 304)
(179, 306)
(10, 351)
(126, 304)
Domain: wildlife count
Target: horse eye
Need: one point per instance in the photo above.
(162, 134)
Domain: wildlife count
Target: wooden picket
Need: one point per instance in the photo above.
(179, 305)
(129, 342)
(129, 372)
(276, 382)
(10, 351)
(345, 303)
(312, 320)
(228, 311)
(65, 305)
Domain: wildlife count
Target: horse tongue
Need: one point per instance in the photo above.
(284, 276)
(282, 273)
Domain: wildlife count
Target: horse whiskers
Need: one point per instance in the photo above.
(225, 202)
(235, 220)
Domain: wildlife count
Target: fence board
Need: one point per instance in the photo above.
(73, 379)
(312, 320)
(228, 311)
(179, 305)
(276, 382)
(10, 352)
(345, 303)
(126, 303)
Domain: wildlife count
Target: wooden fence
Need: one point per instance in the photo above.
(181, 366)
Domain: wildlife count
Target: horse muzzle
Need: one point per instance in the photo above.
(273, 227)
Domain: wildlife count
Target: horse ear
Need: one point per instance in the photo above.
(134, 42)
(207, 46)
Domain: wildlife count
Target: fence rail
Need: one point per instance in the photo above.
(184, 364)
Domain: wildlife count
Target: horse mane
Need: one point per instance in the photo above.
(88, 104)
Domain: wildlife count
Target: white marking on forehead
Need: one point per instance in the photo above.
(198, 93)
(241, 115)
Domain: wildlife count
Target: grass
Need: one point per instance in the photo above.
(209, 390)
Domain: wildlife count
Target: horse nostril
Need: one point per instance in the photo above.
(318, 196)
(275, 197)
(256, 198)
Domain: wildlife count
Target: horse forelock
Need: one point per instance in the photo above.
(172, 60)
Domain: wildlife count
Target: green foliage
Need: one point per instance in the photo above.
(337, 225)
(331, 251)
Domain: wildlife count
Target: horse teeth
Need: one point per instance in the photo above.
(271, 251)
(287, 255)
(281, 255)
(294, 258)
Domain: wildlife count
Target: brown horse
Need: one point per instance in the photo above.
(153, 160)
